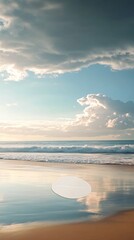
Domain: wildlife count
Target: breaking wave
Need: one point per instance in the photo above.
(70, 149)
(89, 152)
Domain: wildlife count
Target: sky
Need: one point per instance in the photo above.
(66, 70)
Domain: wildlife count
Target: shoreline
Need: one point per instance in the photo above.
(51, 164)
(116, 227)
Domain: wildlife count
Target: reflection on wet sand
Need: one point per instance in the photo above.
(92, 201)
(109, 187)
(26, 194)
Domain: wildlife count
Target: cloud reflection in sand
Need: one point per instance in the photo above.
(114, 187)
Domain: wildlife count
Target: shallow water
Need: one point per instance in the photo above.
(26, 195)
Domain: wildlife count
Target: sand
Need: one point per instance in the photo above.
(120, 226)
(116, 227)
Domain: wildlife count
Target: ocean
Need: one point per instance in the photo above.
(120, 152)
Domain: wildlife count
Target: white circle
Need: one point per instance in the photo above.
(71, 187)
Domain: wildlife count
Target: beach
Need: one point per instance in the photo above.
(116, 227)
(31, 210)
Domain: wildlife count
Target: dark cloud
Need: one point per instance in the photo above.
(57, 36)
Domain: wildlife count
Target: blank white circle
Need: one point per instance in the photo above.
(71, 187)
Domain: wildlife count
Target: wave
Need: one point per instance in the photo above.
(124, 149)
(118, 159)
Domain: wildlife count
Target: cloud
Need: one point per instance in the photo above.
(14, 104)
(101, 118)
(3, 23)
(35, 130)
(104, 112)
(54, 36)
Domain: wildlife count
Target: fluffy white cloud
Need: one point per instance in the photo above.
(101, 118)
(57, 36)
(102, 111)
(124, 121)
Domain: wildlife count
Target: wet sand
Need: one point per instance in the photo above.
(104, 180)
(118, 227)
